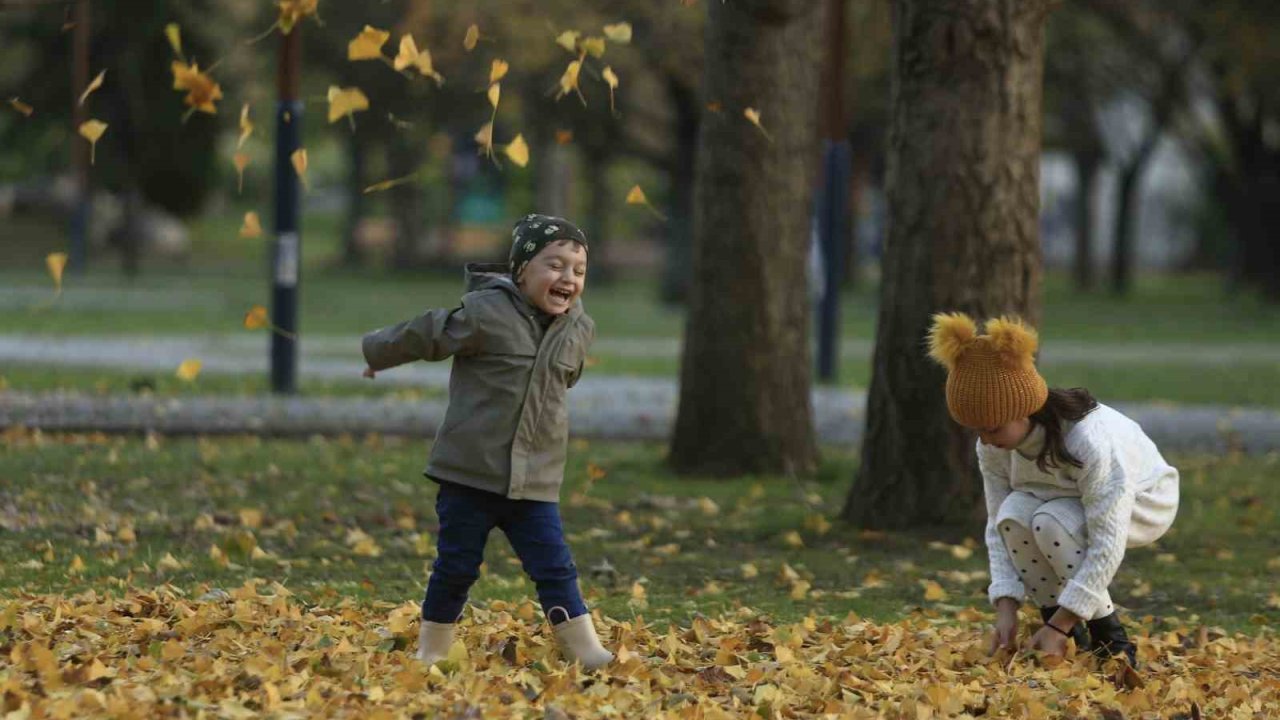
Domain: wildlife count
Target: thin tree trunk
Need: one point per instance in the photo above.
(599, 210)
(964, 203)
(352, 256)
(1128, 189)
(406, 203)
(745, 376)
(1088, 164)
(677, 271)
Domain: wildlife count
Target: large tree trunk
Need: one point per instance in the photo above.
(963, 191)
(406, 202)
(745, 377)
(1088, 164)
(599, 212)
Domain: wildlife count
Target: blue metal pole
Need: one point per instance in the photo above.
(286, 249)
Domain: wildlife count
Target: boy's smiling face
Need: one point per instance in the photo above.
(555, 277)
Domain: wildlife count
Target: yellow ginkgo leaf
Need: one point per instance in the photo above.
(174, 33)
(256, 318)
(568, 40)
(21, 107)
(495, 92)
(252, 227)
(933, 592)
(291, 11)
(484, 137)
(497, 70)
(299, 160)
(411, 56)
(368, 44)
(610, 79)
(56, 262)
(635, 196)
(202, 91)
(618, 32)
(569, 81)
(593, 46)
(753, 116)
(92, 130)
(345, 101)
(246, 127)
(189, 369)
(518, 151)
(388, 184)
(472, 37)
(93, 85)
(241, 161)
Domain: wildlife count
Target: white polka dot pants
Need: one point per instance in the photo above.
(1047, 542)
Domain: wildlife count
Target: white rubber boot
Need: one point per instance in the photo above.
(434, 640)
(579, 643)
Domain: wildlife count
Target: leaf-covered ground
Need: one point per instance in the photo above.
(145, 577)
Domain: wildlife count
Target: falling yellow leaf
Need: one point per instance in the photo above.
(93, 85)
(472, 37)
(791, 538)
(594, 46)
(77, 566)
(292, 11)
(388, 184)
(202, 91)
(21, 107)
(495, 92)
(410, 56)
(611, 80)
(497, 70)
(618, 32)
(246, 127)
(484, 137)
(368, 44)
(799, 590)
(518, 151)
(169, 563)
(564, 137)
(189, 369)
(252, 227)
(568, 40)
(174, 33)
(218, 557)
(960, 552)
(241, 161)
(753, 116)
(56, 262)
(256, 318)
(345, 101)
(933, 592)
(299, 160)
(749, 571)
(92, 130)
(569, 81)
(636, 196)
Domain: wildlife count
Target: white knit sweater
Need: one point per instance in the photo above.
(1129, 494)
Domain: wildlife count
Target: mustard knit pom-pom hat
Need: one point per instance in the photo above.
(991, 378)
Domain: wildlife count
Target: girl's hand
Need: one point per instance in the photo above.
(1048, 641)
(368, 372)
(1006, 629)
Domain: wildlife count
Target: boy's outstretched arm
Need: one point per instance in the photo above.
(433, 335)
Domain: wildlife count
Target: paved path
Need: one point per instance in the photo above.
(602, 406)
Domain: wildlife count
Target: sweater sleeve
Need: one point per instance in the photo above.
(994, 465)
(433, 335)
(1108, 497)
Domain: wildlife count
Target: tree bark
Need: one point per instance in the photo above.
(745, 376)
(1128, 191)
(406, 203)
(963, 192)
(677, 269)
(352, 256)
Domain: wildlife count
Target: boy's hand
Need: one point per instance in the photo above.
(368, 372)
(1006, 629)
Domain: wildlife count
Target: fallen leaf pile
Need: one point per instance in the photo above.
(257, 650)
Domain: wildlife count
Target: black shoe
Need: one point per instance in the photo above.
(1077, 631)
(1110, 639)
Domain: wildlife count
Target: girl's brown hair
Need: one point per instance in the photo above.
(1062, 406)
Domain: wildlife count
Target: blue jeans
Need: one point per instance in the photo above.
(533, 529)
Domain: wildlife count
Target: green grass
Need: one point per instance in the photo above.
(684, 541)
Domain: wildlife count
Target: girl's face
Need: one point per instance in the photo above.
(1007, 436)
(555, 277)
